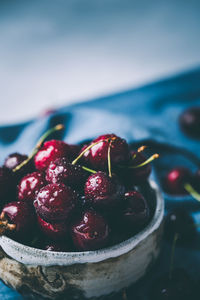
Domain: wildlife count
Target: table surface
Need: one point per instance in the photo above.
(58, 52)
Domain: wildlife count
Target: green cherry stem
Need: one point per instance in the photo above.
(39, 144)
(88, 148)
(89, 170)
(109, 160)
(172, 255)
(150, 159)
(192, 191)
(140, 149)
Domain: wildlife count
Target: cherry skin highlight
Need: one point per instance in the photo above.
(50, 151)
(54, 231)
(61, 171)
(55, 202)
(190, 122)
(136, 212)
(91, 232)
(179, 287)
(103, 191)
(98, 154)
(30, 185)
(175, 180)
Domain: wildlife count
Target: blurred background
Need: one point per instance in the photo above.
(54, 53)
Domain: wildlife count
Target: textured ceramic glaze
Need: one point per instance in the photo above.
(82, 275)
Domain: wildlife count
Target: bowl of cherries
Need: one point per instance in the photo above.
(78, 222)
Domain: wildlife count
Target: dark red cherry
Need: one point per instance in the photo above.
(30, 185)
(55, 202)
(21, 215)
(7, 189)
(190, 122)
(103, 191)
(174, 181)
(61, 171)
(98, 154)
(91, 232)
(180, 222)
(136, 211)
(196, 181)
(179, 286)
(50, 151)
(54, 231)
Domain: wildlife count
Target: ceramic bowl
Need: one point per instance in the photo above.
(83, 275)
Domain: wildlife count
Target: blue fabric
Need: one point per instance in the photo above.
(148, 115)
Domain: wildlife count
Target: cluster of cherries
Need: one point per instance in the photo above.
(64, 197)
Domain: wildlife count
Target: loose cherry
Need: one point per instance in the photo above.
(177, 287)
(61, 171)
(54, 231)
(30, 185)
(190, 122)
(55, 202)
(180, 222)
(17, 218)
(175, 180)
(91, 232)
(136, 211)
(103, 191)
(97, 156)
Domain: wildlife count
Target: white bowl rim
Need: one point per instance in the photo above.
(29, 255)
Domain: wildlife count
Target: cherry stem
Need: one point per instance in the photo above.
(124, 295)
(192, 191)
(150, 159)
(38, 145)
(88, 148)
(141, 149)
(172, 255)
(4, 225)
(88, 170)
(109, 159)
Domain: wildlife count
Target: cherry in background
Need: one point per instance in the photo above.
(189, 122)
(175, 180)
(180, 222)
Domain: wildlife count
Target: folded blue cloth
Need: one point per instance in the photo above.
(144, 115)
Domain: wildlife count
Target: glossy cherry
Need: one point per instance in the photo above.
(61, 171)
(175, 179)
(136, 211)
(50, 151)
(30, 185)
(177, 287)
(102, 191)
(179, 221)
(55, 202)
(54, 231)
(91, 232)
(190, 122)
(98, 154)
(14, 159)
(21, 215)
